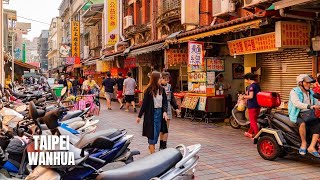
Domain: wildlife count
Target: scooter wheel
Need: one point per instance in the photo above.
(268, 148)
(234, 124)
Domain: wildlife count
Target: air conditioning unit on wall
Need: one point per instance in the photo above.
(249, 3)
(128, 21)
(220, 7)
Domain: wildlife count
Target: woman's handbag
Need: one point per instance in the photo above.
(308, 116)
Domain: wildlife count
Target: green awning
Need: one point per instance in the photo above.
(91, 2)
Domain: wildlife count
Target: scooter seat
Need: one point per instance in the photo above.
(89, 138)
(72, 114)
(285, 119)
(146, 168)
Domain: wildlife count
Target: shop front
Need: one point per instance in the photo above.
(277, 57)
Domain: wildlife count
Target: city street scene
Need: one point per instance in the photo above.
(160, 89)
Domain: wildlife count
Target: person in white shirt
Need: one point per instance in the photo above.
(302, 101)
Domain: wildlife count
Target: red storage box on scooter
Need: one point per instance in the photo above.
(268, 99)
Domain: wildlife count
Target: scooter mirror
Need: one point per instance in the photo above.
(21, 108)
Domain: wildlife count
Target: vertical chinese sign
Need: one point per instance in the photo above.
(75, 40)
(111, 22)
(195, 51)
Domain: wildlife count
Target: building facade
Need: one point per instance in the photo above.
(43, 49)
(54, 43)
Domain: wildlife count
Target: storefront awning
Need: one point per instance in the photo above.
(25, 65)
(91, 61)
(148, 49)
(93, 14)
(93, 10)
(110, 58)
(235, 28)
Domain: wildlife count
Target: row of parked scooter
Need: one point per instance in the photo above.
(35, 110)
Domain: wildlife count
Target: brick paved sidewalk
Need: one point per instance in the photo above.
(225, 153)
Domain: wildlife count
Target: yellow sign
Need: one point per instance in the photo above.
(106, 66)
(292, 34)
(254, 44)
(112, 25)
(75, 39)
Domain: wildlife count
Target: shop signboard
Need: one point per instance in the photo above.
(106, 66)
(211, 78)
(197, 77)
(176, 57)
(99, 66)
(197, 87)
(292, 34)
(255, 44)
(70, 60)
(64, 51)
(202, 103)
(190, 12)
(130, 63)
(215, 64)
(75, 39)
(190, 102)
(195, 53)
(111, 18)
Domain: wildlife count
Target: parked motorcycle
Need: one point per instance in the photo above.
(280, 136)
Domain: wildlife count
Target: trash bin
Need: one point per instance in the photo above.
(57, 91)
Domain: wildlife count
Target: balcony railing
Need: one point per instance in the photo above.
(169, 10)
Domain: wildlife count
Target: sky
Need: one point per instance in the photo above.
(40, 10)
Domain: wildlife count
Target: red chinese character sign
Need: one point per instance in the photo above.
(130, 63)
(215, 64)
(177, 56)
(75, 40)
(292, 34)
(195, 51)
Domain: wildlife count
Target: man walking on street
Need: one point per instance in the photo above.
(129, 86)
(108, 85)
(119, 82)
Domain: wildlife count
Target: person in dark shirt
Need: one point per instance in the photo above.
(252, 104)
(63, 81)
(75, 85)
(108, 85)
(120, 89)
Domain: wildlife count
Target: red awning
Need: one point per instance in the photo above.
(25, 65)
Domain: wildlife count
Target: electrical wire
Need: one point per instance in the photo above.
(33, 20)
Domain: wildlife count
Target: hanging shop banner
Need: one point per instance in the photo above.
(292, 34)
(197, 76)
(211, 78)
(215, 64)
(177, 56)
(75, 39)
(106, 66)
(89, 70)
(70, 60)
(64, 51)
(190, 12)
(111, 19)
(130, 63)
(195, 53)
(202, 103)
(254, 44)
(99, 66)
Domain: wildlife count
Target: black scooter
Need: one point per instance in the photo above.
(279, 136)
